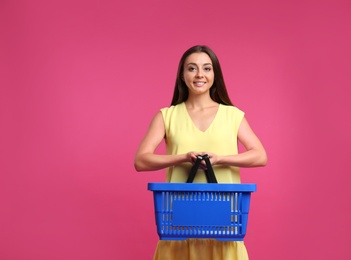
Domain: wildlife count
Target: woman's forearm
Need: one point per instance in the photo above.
(251, 158)
(153, 162)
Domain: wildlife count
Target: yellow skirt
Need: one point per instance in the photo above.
(200, 249)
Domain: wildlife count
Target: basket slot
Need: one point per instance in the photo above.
(167, 206)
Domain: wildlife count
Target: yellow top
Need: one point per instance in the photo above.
(182, 136)
(200, 249)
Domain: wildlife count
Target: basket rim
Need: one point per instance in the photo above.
(214, 187)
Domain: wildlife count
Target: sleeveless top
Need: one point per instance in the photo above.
(182, 136)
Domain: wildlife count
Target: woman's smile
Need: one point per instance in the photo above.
(199, 83)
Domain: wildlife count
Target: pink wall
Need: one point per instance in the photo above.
(80, 81)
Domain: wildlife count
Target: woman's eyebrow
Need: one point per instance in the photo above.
(205, 64)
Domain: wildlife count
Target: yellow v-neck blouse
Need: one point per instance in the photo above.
(182, 136)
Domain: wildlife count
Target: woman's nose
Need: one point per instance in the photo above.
(199, 74)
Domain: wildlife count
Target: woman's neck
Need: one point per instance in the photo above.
(200, 102)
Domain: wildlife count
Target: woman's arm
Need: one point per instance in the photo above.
(146, 159)
(254, 156)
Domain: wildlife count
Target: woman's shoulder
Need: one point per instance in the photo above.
(171, 109)
(231, 109)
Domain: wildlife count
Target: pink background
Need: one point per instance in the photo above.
(81, 80)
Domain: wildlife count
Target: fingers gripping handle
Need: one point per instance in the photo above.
(211, 178)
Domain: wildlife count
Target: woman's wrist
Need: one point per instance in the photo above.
(219, 159)
(226, 159)
(185, 158)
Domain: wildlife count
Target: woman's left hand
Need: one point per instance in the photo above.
(213, 160)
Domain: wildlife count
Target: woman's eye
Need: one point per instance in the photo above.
(207, 69)
(192, 69)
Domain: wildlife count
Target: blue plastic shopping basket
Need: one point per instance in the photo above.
(194, 210)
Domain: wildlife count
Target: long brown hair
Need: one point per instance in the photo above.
(218, 91)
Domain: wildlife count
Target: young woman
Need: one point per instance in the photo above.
(201, 120)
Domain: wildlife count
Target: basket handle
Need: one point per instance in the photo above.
(210, 176)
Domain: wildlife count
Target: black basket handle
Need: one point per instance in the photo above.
(210, 176)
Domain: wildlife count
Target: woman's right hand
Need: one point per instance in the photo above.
(192, 156)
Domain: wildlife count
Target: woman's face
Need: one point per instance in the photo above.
(198, 73)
